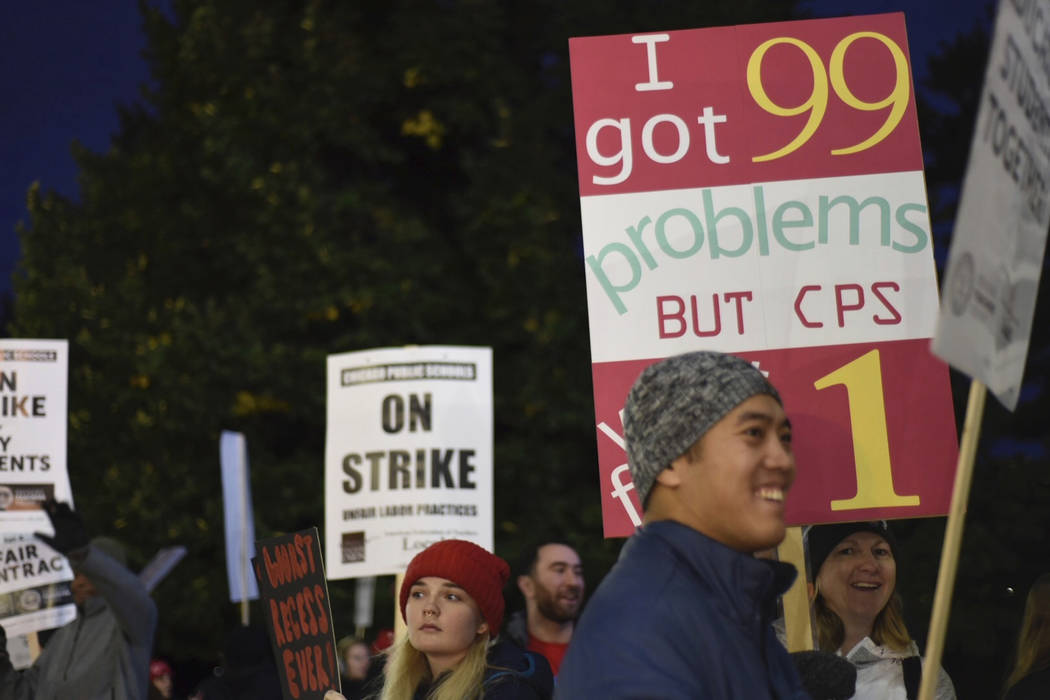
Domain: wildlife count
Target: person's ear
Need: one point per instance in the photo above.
(811, 591)
(672, 475)
(483, 627)
(527, 586)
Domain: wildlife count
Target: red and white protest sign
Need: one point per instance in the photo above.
(759, 190)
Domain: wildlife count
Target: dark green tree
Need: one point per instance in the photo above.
(310, 178)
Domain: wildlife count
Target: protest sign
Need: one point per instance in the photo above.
(21, 651)
(237, 515)
(33, 375)
(291, 580)
(995, 260)
(34, 585)
(364, 599)
(1000, 231)
(408, 455)
(758, 190)
(161, 565)
(26, 561)
(34, 579)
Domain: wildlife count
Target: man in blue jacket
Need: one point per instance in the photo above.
(685, 612)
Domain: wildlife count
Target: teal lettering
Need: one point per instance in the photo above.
(611, 290)
(781, 222)
(760, 220)
(921, 237)
(680, 234)
(635, 234)
(694, 223)
(747, 232)
(854, 217)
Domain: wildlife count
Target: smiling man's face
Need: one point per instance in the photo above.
(731, 484)
(556, 583)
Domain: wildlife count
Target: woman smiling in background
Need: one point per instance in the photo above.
(858, 612)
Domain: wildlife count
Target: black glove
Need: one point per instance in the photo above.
(825, 676)
(70, 533)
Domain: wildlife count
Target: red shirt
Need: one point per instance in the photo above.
(552, 651)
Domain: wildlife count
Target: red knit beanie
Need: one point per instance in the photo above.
(158, 668)
(481, 574)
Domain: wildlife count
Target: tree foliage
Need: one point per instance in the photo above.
(308, 178)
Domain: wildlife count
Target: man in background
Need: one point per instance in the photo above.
(551, 581)
(103, 653)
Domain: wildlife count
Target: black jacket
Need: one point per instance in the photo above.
(516, 629)
(512, 674)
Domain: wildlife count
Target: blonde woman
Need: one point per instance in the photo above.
(1030, 677)
(858, 612)
(452, 603)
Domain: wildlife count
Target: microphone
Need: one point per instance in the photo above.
(825, 676)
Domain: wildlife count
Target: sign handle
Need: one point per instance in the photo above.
(244, 563)
(942, 600)
(34, 646)
(797, 625)
(400, 628)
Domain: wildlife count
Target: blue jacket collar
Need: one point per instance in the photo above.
(748, 585)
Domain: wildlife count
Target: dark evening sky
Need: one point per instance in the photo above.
(67, 64)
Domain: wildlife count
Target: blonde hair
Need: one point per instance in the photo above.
(1033, 642)
(407, 669)
(888, 629)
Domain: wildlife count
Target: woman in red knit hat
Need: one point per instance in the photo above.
(452, 603)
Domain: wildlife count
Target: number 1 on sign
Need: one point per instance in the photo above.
(871, 445)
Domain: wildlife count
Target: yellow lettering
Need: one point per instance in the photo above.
(871, 445)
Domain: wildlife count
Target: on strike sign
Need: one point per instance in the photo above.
(408, 455)
(33, 418)
(292, 585)
(759, 190)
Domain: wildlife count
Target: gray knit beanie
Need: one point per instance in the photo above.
(675, 401)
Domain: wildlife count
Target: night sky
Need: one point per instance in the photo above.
(68, 64)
